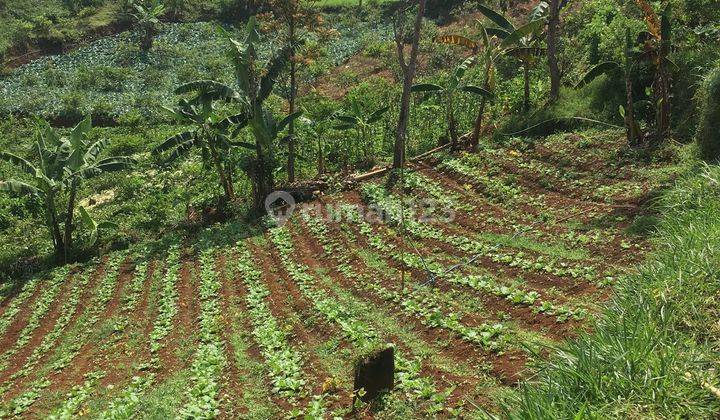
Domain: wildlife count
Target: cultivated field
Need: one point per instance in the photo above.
(260, 325)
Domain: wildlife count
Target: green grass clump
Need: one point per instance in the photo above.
(573, 111)
(708, 134)
(651, 355)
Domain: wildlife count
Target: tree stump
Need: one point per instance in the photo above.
(374, 374)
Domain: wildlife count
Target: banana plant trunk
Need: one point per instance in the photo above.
(321, 157)
(222, 174)
(147, 37)
(475, 140)
(293, 94)
(67, 241)
(526, 96)
(262, 185)
(54, 227)
(452, 123)
(478, 126)
(662, 88)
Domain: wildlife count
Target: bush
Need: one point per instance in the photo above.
(102, 78)
(560, 116)
(708, 134)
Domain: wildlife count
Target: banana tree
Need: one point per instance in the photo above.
(657, 47)
(362, 124)
(63, 164)
(490, 53)
(317, 129)
(523, 45)
(449, 91)
(211, 133)
(627, 67)
(95, 226)
(254, 89)
(147, 17)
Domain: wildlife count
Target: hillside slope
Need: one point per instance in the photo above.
(254, 323)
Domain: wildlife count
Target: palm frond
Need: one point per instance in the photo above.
(500, 33)
(496, 17)
(237, 121)
(524, 53)
(457, 40)
(540, 11)
(18, 188)
(181, 150)
(426, 87)
(174, 141)
(273, 71)
(25, 165)
(375, 116)
(95, 149)
(209, 89)
(478, 91)
(115, 163)
(287, 120)
(464, 66)
(595, 72)
(521, 33)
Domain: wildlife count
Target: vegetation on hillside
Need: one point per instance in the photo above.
(510, 194)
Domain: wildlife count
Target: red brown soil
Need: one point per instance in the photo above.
(47, 323)
(93, 283)
(185, 322)
(230, 295)
(20, 320)
(120, 357)
(91, 357)
(456, 348)
(360, 67)
(285, 300)
(583, 211)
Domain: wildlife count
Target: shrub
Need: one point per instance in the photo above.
(708, 134)
(102, 78)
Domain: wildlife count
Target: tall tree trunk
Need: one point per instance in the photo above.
(552, 47)
(409, 70)
(662, 94)
(67, 241)
(321, 157)
(526, 96)
(293, 94)
(630, 124)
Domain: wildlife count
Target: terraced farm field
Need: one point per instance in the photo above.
(267, 323)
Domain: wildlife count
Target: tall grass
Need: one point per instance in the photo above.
(653, 353)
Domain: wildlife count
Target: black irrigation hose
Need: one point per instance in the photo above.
(557, 120)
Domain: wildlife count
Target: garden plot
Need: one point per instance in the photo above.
(244, 323)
